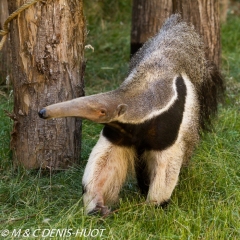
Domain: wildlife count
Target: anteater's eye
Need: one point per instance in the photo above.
(103, 111)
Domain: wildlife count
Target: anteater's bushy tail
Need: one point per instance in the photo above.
(210, 94)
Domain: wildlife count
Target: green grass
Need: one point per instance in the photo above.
(204, 205)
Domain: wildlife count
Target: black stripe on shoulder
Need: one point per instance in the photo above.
(157, 133)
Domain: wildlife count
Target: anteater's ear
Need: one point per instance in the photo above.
(121, 109)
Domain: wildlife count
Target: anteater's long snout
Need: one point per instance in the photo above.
(73, 108)
(98, 108)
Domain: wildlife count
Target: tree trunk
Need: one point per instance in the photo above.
(4, 53)
(148, 17)
(47, 41)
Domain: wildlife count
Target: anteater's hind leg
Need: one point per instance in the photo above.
(104, 175)
(164, 167)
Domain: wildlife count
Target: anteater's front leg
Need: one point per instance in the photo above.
(104, 175)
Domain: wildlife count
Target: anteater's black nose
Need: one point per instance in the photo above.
(42, 113)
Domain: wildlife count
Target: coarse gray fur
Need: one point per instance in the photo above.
(175, 49)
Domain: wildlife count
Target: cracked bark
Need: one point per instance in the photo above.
(47, 43)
